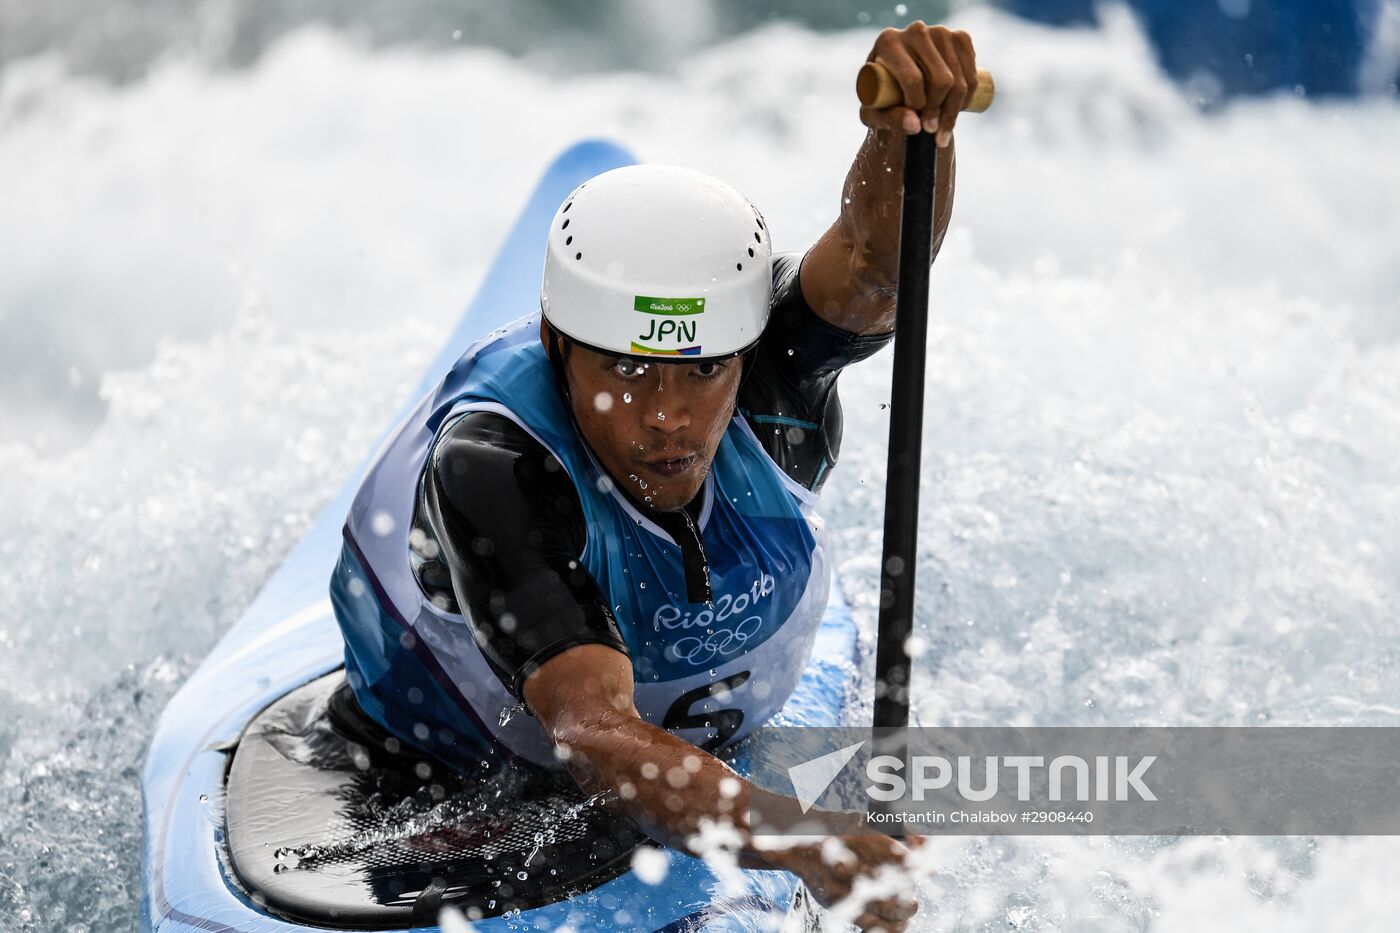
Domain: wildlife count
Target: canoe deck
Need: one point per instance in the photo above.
(332, 822)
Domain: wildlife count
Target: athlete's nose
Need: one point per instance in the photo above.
(666, 418)
(667, 408)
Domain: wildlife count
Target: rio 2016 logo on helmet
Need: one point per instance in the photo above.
(673, 324)
(626, 243)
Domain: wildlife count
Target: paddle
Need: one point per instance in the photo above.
(877, 88)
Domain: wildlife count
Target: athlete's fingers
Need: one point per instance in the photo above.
(895, 909)
(957, 92)
(967, 58)
(920, 39)
(898, 119)
(874, 923)
(840, 874)
(940, 80)
(892, 52)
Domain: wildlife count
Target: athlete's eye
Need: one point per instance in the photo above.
(709, 370)
(629, 368)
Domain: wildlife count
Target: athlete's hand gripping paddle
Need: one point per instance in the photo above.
(877, 88)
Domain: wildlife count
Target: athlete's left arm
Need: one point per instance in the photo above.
(850, 273)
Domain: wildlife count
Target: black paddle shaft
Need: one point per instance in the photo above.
(897, 563)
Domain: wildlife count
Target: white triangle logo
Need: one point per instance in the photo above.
(811, 778)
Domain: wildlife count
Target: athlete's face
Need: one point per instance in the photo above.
(654, 426)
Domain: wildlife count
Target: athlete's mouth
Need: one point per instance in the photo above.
(672, 466)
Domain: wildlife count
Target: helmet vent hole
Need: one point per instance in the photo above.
(566, 224)
(750, 252)
(756, 236)
(566, 207)
(760, 222)
(578, 255)
(739, 266)
(569, 241)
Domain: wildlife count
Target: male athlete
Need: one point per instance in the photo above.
(603, 512)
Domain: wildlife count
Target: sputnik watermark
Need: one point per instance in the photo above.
(1263, 781)
(1113, 777)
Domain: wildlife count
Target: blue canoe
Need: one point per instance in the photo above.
(287, 645)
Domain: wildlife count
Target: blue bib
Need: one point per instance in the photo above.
(708, 672)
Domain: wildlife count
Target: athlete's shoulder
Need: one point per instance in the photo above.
(789, 395)
(798, 342)
(507, 527)
(488, 470)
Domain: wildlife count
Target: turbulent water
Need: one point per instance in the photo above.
(1162, 454)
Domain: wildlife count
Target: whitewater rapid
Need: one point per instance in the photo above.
(1162, 451)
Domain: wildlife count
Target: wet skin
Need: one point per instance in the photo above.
(583, 697)
(654, 426)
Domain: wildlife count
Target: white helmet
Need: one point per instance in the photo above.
(658, 260)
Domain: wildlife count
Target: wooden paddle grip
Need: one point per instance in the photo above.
(877, 88)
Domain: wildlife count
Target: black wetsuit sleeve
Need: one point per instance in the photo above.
(788, 395)
(498, 532)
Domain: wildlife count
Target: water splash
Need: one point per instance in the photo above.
(510, 712)
(1156, 411)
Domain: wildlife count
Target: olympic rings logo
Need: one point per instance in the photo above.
(723, 643)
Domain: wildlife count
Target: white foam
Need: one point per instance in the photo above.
(1163, 406)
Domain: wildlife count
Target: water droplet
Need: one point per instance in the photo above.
(627, 397)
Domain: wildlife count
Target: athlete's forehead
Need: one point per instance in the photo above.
(643, 360)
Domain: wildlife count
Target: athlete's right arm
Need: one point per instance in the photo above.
(673, 790)
(503, 517)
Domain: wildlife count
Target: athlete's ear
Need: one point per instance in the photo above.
(553, 340)
(554, 348)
